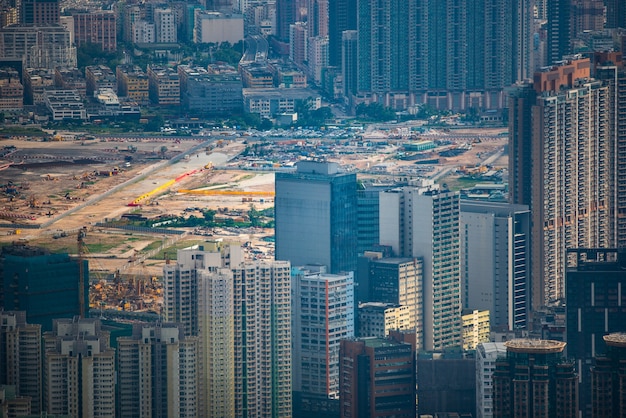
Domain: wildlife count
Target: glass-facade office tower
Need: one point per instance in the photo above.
(316, 217)
(596, 306)
(43, 285)
(422, 221)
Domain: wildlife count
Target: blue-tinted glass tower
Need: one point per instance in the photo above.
(316, 217)
(42, 284)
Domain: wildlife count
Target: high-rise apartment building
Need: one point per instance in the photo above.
(608, 379)
(476, 328)
(535, 380)
(495, 261)
(322, 315)
(423, 222)
(378, 376)
(609, 68)
(320, 203)
(157, 373)
(20, 357)
(79, 369)
(263, 340)
(449, 54)
(596, 306)
(561, 167)
(486, 356)
(43, 285)
(196, 294)
(216, 322)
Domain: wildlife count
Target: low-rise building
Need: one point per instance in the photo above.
(288, 75)
(269, 102)
(39, 46)
(70, 78)
(163, 86)
(98, 77)
(206, 92)
(256, 76)
(11, 90)
(65, 104)
(36, 82)
(132, 82)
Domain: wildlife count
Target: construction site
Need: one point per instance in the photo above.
(119, 203)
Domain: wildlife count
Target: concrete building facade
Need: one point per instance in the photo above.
(423, 222)
(322, 315)
(495, 261)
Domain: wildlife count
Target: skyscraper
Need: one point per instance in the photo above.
(263, 340)
(495, 261)
(559, 30)
(608, 378)
(535, 380)
(196, 295)
(398, 281)
(216, 306)
(561, 167)
(322, 316)
(615, 14)
(341, 17)
(486, 356)
(157, 372)
(20, 357)
(26, 274)
(423, 222)
(319, 203)
(79, 369)
(378, 376)
(596, 306)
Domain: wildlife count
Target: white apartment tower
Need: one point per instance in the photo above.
(486, 356)
(165, 25)
(423, 222)
(157, 372)
(219, 297)
(79, 369)
(20, 356)
(323, 315)
(263, 339)
(217, 335)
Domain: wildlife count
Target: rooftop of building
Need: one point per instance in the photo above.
(528, 345)
(616, 339)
